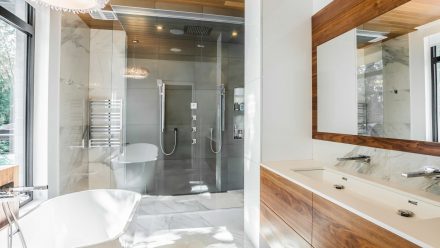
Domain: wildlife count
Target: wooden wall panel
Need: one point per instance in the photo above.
(335, 227)
(276, 232)
(9, 175)
(291, 202)
(337, 18)
(352, 15)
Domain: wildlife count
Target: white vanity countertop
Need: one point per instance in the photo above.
(423, 232)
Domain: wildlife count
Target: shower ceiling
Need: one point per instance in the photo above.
(197, 39)
(157, 43)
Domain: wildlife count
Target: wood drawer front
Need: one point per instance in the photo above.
(334, 226)
(292, 203)
(277, 233)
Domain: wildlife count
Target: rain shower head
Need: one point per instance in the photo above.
(197, 30)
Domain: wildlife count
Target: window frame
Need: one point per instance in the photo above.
(435, 59)
(26, 27)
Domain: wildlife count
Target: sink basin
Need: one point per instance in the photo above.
(375, 193)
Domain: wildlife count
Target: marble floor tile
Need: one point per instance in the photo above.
(205, 220)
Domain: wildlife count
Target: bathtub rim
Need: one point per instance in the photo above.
(117, 236)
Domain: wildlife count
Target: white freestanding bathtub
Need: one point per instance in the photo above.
(134, 169)
(83, 219)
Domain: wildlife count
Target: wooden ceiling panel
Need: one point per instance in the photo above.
(405, 18)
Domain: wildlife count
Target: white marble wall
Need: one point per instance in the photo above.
(396, 88)
(386, 165)
(73, 117)
(107, 81)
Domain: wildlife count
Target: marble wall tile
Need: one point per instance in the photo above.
(388, 165)
(107, 67)
(74, 83)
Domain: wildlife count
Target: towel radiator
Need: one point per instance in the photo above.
(105, 123)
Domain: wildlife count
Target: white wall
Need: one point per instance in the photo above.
(319, 4)
(420, 42)
(278, 91)
(337, 85)
(46, 79)
(252, 119)
(286, 87)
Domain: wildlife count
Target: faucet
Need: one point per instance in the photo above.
(362, 158)
(426, 172)
(14, 194)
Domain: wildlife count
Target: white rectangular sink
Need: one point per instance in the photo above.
(375, 193)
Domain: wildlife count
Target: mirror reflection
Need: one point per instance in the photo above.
(380, 79)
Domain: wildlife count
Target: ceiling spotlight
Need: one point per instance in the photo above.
(234, 33)
(159, 27)
(135, 41)
(175, 50)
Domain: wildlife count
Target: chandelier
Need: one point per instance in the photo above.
(136, 72)
(74, 6)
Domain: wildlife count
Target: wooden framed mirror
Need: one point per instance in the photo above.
(374, 74)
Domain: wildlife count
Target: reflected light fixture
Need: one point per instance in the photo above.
(234, 33)
(175, 50)
(74, 6)
(136, 72)
(159, 27)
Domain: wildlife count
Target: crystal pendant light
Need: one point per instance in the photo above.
(74, 6)
(136, 72)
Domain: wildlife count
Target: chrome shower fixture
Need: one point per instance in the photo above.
(162, 87)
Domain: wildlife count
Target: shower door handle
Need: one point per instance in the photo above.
(222, 99)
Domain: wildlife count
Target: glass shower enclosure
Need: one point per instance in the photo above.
(177, 130)
(184, 113)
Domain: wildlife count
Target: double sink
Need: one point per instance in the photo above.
(387, 199)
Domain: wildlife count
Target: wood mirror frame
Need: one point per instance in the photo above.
(335, 19)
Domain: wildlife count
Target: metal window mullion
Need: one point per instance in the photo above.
(16, 21)
(434, 85)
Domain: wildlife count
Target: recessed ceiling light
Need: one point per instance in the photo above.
(177, 31)
(175, 50)
(234, 33)
(135, 41)
(159, 27)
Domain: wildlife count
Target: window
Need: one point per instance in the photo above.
(16, 81)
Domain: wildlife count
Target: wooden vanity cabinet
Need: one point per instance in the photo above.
(334, 226)
(290, 202)
(292, 216)
(277, 233)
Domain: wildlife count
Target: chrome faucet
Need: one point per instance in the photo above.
(7, 196)
(426, 172)
(362, 158)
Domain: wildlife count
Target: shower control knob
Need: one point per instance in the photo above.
(194, 129)
(194, 141)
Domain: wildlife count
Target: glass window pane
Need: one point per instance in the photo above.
(16, 7)
(12, 98)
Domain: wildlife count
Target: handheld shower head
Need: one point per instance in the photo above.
(159, 83)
